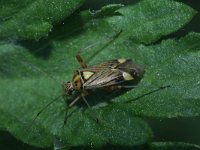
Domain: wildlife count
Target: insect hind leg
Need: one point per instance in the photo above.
(80, 60)
(108, 41)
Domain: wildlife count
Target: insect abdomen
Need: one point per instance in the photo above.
(131, 70)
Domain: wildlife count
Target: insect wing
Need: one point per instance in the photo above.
(103, 78)
(113, 72)
(110, 64)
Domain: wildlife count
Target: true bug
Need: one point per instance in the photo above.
(111, 74)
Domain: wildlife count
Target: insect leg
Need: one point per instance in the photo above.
(108, 41)
(118, 87)
(82, 95)
(74, 101)
(93, 114)
(80, 60)
(67, 106)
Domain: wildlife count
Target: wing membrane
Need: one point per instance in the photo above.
(110, 73)
(104, 78)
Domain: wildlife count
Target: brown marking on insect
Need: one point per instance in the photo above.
(111, 74)
(81, 62)
(76, 82)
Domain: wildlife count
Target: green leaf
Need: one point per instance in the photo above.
(105, 11)
(173, 63)
(116, 127)
(10, 7)
(33, 19)
(149, 20)
(173, 146)
(26, 86)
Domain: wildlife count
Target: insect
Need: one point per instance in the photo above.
(111, 75)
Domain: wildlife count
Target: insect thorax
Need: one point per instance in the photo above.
(76, 81)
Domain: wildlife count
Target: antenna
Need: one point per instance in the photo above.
(109, 40)
(148, 93)
(42, 71)
(45, 107)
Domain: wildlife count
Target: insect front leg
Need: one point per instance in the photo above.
(82, 95)
(67, 108)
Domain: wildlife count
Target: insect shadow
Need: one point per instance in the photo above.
(104, 96)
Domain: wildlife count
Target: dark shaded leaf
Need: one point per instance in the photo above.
(34, 19)
(173, 146)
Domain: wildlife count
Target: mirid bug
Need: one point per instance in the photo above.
(109, 75)
(112, 74)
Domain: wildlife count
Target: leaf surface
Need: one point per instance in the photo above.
(33, 19)
(27, 69)
(172, 146)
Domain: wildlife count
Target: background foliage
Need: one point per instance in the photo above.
(42, 37)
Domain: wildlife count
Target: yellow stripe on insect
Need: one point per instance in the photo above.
(87, 74)
(127, 76)
(121, 60)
